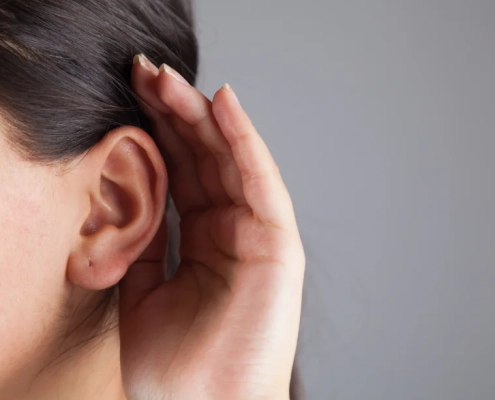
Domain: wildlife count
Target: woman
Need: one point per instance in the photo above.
(90, 145)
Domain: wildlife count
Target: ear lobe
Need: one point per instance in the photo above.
(126, 186)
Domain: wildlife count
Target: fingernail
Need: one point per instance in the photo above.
(229, 88)
(140, 58)
(164, 68)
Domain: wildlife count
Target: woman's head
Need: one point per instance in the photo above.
(81, 182)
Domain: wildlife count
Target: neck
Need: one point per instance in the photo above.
(86, 372)
(93, 374)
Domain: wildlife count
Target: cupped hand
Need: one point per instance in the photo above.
(226, 326)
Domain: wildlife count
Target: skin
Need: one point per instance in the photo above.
(82, 213)
(225, 327)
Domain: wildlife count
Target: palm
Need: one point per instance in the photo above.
(213, 327)
(176, 315)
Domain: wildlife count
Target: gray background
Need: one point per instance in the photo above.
(381, 115)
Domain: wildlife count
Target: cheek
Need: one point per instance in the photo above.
(21, 238)
(32, 272)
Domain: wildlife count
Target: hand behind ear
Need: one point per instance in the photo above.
(123, 185)
(226, 326)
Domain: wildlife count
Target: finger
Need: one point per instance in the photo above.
(203, 134)
(263, 186)
(143, 82)
(139, 281)
(208, 168)
(199, 245)
(184, 183)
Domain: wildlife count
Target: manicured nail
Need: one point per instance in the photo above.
(229, 88)
(140, 58)
(164, 68)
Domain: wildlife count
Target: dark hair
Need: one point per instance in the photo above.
(65, 73)
(65, 68)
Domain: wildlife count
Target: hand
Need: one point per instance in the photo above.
(226, 326)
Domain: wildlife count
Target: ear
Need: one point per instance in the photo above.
(124, 187)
